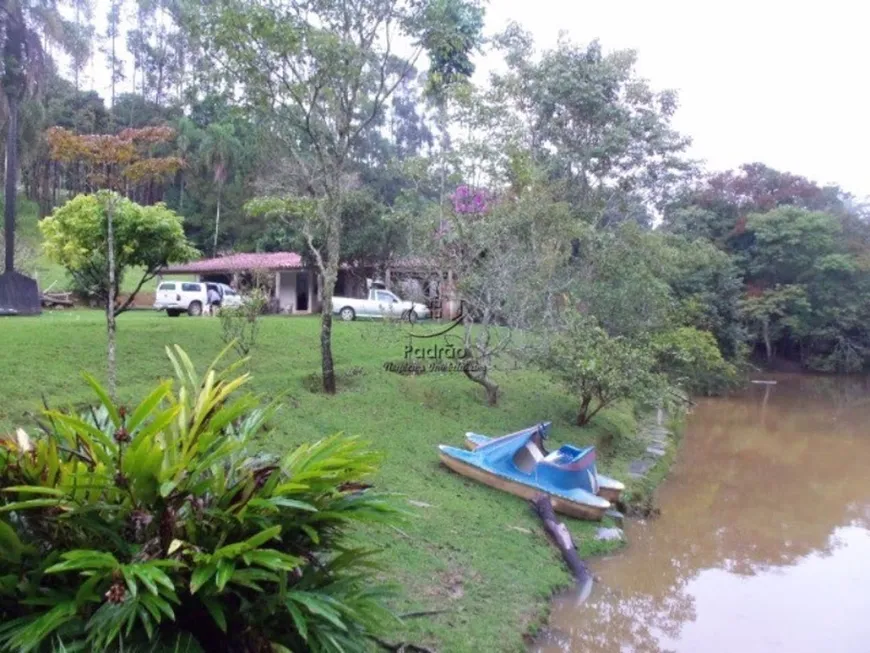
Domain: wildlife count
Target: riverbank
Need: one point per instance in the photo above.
(767, 504)
(473, 559)
(655, 441)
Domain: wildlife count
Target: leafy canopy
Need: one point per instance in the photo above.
(146, 237)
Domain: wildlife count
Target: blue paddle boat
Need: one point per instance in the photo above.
(609, 488)
(516, 463)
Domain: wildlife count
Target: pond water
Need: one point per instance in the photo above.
(763, 543)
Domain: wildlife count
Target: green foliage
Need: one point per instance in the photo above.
(787, 242)
(620, 279)
(453, 30)
(692, 361)
(801, 251)
(241, 324)
(131, 529)
(707, 287)
(599, 130)
(776, 312)
(146, 237)
(599, 369)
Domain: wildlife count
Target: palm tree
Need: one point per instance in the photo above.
(218, 150)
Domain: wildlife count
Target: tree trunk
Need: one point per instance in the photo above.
(765, 329)
(583, 416)
(110, 300)
(490, 386)
(11, 180)
(330, 275)
(114, 28)
(445, 145)
(327, 364)
(217, 222)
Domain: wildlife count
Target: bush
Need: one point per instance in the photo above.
(599, 369)
(240, 325)
(692, 361)
(158, 529)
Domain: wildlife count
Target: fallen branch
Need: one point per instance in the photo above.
(560, 536)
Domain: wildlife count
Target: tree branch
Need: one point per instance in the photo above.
(129, 301)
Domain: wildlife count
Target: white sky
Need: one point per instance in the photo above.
(782, 82)
(776, 81)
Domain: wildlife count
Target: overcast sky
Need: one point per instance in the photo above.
(781, 82)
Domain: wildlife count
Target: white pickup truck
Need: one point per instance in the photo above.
(379, 304)
(191, 297)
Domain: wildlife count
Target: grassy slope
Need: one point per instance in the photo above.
(48, 273)
(476, 552)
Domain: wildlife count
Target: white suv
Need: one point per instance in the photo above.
(191, 297)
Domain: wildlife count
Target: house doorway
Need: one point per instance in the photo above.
(302, 298)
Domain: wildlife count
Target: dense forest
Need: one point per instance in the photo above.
(563, 167)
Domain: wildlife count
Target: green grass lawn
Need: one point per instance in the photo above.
(471, 551)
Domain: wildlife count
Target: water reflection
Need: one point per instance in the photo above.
(764, 530)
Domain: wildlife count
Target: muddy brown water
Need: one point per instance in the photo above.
(763, 543)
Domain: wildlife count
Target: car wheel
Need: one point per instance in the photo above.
(347, 314)
(172, 313)
(412, 317)
(195, 309)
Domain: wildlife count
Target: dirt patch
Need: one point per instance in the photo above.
(344, 380)
(451, 584)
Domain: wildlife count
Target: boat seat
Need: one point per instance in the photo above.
(527, 457)
(554, 456)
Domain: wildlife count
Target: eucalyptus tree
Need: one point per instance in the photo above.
(81, 33)
(24, 25)
(321, 73)
(450, 66)
(115, 63)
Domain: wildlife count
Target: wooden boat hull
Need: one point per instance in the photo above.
(608, 488)
(612, 494)
(528, 492)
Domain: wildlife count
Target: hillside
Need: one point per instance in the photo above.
(33, 261)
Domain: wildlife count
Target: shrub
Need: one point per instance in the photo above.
(240, 325)
(691, 360)
(598, 369)
(158, 528)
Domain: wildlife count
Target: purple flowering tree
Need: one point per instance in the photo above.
(467, 200)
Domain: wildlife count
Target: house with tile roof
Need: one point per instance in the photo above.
(296, 286)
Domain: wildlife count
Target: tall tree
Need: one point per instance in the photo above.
(23, 24)
(586, 117)
(321, 72)
(455, 33)
(81, 32)
(115, 63)
(83, 235)
(218, 149)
